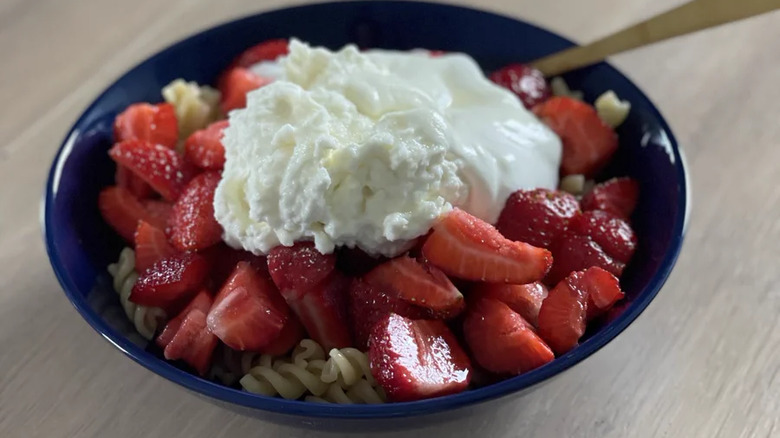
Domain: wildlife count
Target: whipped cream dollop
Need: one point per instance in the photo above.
(368, 149)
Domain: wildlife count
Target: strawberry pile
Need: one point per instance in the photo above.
(501, 299)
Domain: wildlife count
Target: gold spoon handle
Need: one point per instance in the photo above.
(690, 17)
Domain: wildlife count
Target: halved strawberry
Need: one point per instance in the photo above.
(159, 212)
(268, 50)
(170, 281)
(151, 246)
(618, 196)
(588, 142)
(235, 84)
(300, 266)
(524, 299)
(161, 167)
(288, 338)
(466, 247)
(574, 252)
(156, 124)
(204, 149)
(122, 211)
(137, 186)
(322, 309)
(525, 81)
(501, 340)
(193, 225)
(202, 302)
(193, 342)
(414, 360)
(248, 313)
(614, 235)
(563, 315)
(537, 216)
(419, 284)
(602, 288)
(368, 304)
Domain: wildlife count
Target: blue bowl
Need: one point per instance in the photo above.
(80, 245)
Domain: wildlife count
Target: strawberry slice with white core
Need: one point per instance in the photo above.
(248, 312)
(202, 302)
(524, 299)
(414, 360)
(419, 284)
(160, 166)
(322, 309)
(466, 247)
(193, 342)
(501, 340)
(151, 246)
(563, 315)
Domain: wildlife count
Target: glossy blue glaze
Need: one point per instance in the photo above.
(80, 245)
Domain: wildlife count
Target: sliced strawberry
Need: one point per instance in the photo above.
(525, 81)
(204, 148)
(322, 309)
(193, 225)
(299, 266)
(524, 299)
(235, 84)
(159, 211)
(137, 186)
(156, 124)
(418, 284)
(602, 289)
(537, 217)
(414, 360)
(618, 196)
(501, 340)
(588, 142)
(193, 342)
(158, 165)
(563, 315)
(436, 53)
(288, 338)
(170, 281)
(266, 51)
(614, 235)
(122, 211)
(151, 246)
(368, 304)
(202, 302)
(466, 247)
(248, 313)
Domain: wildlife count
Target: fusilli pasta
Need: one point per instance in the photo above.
(559, 87)
(343, 376)
(196, 106)
(145, 319)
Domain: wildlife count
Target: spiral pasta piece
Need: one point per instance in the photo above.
(145, 319)
(288, 380)
(341, 376)
(196, 106)
(350, 364)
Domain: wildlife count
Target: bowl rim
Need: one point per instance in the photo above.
(389, 410)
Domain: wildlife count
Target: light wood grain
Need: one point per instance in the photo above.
(702, 361)
(690, 17)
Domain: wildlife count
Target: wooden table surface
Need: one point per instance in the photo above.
(702, 361)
